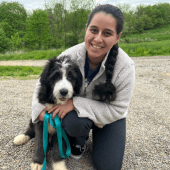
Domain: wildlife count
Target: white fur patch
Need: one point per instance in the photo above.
(60, 165)
(63, 84)
(36, 166)
(21, 139)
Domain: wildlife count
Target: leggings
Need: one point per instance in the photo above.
(108, 142)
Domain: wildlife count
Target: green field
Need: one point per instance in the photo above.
(20, 72)
(150, 43)
(154, 42)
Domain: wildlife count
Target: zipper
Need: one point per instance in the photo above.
(85, 86)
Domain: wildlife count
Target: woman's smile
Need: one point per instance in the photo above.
(96, 47)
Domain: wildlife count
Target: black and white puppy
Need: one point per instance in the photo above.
(60, 80)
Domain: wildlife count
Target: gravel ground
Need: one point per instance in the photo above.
(148, 131)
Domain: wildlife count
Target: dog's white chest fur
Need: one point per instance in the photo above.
(52, 130)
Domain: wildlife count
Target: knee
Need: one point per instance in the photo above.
(75, 126)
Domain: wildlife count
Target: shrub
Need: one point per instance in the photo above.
(71, 40)
(5, 42)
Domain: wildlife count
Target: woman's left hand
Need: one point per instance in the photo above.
(62, 110)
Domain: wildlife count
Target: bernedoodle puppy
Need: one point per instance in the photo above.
(60, 80)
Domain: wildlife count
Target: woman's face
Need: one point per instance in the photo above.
(100, 36)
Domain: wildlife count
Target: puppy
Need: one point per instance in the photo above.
(60, 80)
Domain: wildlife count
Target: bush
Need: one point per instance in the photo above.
(5, 43)
(16, 41)
(71, 40)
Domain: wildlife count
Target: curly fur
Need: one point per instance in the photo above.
(57, 73)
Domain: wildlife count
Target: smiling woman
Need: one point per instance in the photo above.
(108, 82)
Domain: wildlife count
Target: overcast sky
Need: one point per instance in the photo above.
(34, 4)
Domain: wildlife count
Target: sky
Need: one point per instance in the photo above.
(34, 4)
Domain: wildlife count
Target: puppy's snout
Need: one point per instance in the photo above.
(63, 92)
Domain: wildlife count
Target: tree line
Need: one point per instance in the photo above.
(57, 26)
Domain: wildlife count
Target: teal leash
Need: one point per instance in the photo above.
(56, 123)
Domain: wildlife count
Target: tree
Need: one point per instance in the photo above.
(37, 34)
(5, 43)
(56, 11)
(77, 19)
(13, 16)
(67, 19)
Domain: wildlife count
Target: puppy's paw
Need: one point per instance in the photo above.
(36, 166)
(61, 165)
(21, 139)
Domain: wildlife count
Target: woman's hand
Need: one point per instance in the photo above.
(41, 115)
(62, 110)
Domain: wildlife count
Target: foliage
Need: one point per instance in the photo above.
(16, 41)
(66, 25)
(5, 42)
(37, 34)
(144, 17)
(62, 24)
(13, 16)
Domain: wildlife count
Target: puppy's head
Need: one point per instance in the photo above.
(60, 80)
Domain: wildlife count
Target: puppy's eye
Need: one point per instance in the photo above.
(70, 76)
(54, 74)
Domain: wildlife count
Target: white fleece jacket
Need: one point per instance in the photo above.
(100, 113)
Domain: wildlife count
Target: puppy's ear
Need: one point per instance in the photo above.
(78, 81)
(47, 70)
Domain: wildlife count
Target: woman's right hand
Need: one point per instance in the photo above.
(41, 115)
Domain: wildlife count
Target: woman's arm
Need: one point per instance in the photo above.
(102, 113)
(37, 107)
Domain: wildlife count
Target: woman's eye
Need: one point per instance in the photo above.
(107, 33)
(93, 30)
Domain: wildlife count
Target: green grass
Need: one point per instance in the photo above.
(33, 55)
(155, 48)
(22, 72)
(157, 34)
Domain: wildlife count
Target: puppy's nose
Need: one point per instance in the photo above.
(63, 92)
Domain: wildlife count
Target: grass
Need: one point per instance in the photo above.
(149, 43)
(155, 48)
(21, 72)
(33, 55)
(157, 34)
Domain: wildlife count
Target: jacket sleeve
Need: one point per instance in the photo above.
(36, 106)
(102, 113)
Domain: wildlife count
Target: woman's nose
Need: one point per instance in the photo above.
(98, 38)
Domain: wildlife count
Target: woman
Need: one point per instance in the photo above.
(108, 77)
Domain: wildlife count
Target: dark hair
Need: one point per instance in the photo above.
(106, 92)
(109, 9)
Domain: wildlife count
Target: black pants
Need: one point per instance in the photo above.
(108, 142)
